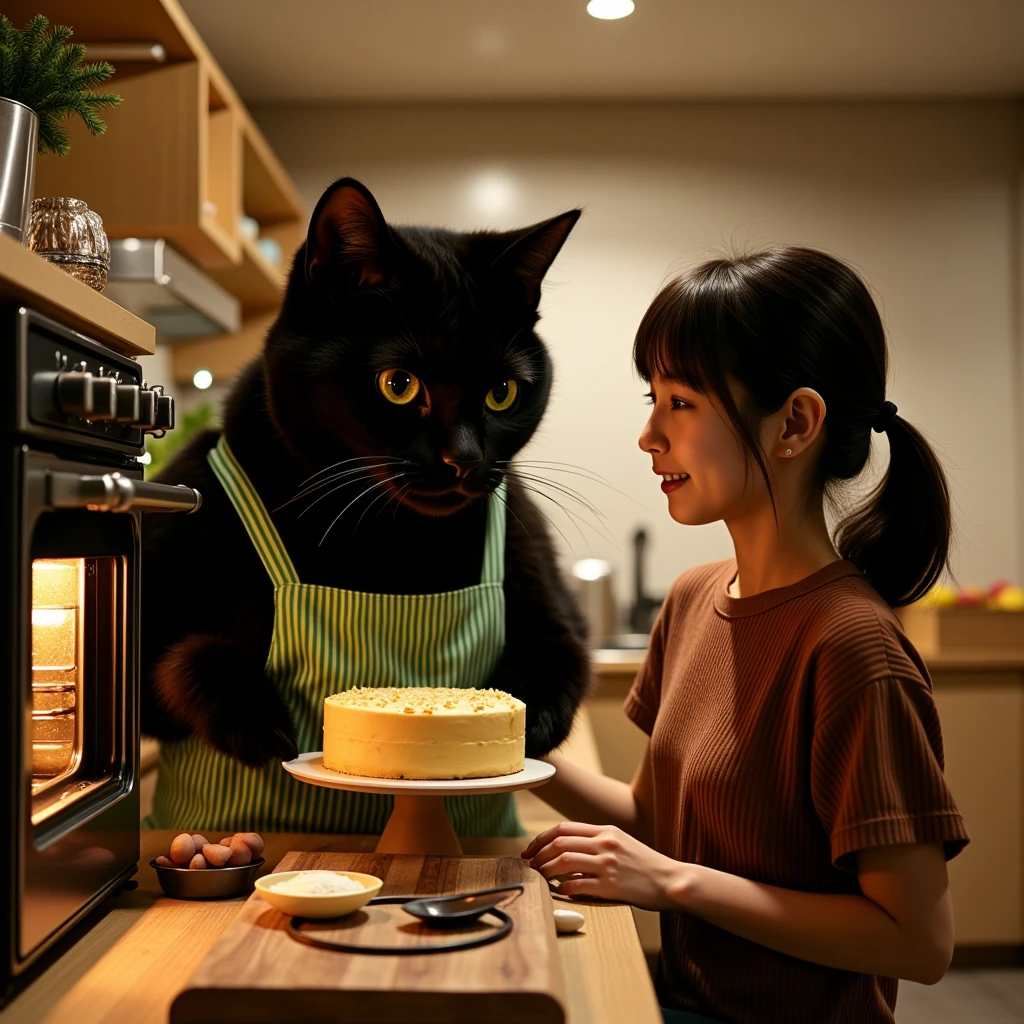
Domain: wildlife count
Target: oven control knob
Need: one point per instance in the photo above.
(164, 412)
(128, 403)
(147, 409)
(104, 399)
(73, 392)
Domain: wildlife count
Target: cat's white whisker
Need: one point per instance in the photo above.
(569, 492)
(330, 480)
(342, 462)
(379, 483)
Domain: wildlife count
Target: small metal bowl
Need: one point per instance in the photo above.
(209, 883)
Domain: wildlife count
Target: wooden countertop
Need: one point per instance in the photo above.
(139, 954)
(615, 662)
(26, 278)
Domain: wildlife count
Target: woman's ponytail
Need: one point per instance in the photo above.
(899, 538)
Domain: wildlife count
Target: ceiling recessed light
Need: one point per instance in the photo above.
(610, 10)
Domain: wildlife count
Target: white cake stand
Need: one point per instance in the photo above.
(419, 822)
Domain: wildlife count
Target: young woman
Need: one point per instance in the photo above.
(790, 819)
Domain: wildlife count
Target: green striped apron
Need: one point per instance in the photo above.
(326, 640)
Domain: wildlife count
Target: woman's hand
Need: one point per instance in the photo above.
(614, 865)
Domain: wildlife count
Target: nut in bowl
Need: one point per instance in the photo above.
(318, 893)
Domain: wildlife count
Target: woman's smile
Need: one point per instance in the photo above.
(672, 481)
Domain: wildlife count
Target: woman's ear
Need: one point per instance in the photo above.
(803, 416)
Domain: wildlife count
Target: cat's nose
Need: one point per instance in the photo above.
(462, 452)
(462, 466)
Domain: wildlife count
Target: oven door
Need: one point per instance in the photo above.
(78, 733)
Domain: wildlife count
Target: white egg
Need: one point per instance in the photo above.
(568, 921)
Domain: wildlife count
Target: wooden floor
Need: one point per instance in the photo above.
(964, 997)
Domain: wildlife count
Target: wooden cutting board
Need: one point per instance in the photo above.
(257, 973)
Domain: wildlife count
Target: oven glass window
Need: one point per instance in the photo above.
(58, 598)
(76, 737)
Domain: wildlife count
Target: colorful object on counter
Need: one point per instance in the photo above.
(454, 637)
(305, 894)
(1000, 596)
(424, 733)
(66, 233)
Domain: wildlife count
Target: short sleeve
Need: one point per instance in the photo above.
(876, 773)
(644, 697)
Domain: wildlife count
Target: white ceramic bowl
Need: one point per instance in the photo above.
(318, 906)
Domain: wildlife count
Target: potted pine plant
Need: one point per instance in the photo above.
(43, 81)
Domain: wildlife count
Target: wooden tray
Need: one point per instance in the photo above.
(257, 973)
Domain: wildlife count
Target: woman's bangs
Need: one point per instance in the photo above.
(674, 339)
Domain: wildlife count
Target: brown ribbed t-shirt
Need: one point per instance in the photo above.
(788, 731)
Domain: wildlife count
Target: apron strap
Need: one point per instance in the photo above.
(251, 511)
(494, 543)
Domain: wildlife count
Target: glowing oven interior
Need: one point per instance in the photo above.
(58, 610)
(76, 739)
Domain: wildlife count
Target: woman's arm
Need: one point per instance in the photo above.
(583, 795)
(901, 926)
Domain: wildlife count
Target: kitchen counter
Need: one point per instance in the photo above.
(139, 951)
(620, 665)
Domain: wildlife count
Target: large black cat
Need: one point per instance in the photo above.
(409, 357)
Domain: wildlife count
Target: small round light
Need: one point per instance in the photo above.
(131, 244)
(202, 379)
(591, 569)
(610, 10)
(145, 458)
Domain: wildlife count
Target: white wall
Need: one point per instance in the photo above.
(918, 197)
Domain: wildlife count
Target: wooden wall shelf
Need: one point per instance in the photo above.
(182, 158)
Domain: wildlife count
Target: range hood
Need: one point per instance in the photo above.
(157, 283)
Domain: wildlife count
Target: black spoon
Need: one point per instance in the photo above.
(464, 908)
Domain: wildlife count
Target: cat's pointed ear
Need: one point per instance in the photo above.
(531, 253)
(348, 233)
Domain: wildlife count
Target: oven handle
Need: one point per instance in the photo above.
(112, 492)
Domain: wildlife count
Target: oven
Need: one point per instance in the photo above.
(75, 415)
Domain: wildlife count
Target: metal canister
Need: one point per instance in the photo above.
(592, 579)
(19, 137)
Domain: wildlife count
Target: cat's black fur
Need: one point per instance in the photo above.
(458, 310)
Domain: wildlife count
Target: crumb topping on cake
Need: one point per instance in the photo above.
(425, 700)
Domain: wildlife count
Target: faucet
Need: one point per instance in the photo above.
(644, 608)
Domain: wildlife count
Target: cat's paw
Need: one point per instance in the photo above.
(219, 690)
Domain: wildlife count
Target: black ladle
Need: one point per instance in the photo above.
(453, 911)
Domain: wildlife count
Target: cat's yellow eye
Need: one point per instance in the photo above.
(399, 387)
(502, 396)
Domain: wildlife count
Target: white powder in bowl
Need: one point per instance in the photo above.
(317, 883)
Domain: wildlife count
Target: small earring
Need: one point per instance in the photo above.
(789, 451)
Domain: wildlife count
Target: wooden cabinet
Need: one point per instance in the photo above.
(982, 715)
